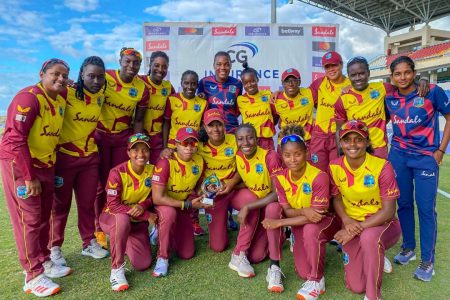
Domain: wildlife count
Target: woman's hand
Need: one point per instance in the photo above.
(271, 223)
(312, 215)
(342, 237)
(353, 228)
(136, 211)
(197, 203)
(438, 156)
(202, 95)
(226, 189)
(166, 153)
(33, 187)
(152, 218)
(242, 215)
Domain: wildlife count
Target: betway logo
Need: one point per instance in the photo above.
(224, 31)
(290, 31)
(157, 45)
(324, 31)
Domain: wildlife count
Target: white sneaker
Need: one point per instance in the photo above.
(273, 278)
(53, 270)
(240, 264)
(366, 298)
(154, 236)
(118, 281)
(387, 265)
(311, 290)
(57, 257)
(41, 286)
(95, 250)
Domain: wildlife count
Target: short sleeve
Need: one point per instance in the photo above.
(334, 188)
(320, 191)
(281, 193)
(388, 185)
(145, 98)
(161, 172)
(339, 110)
(314, 87)
(442, 103)
(168, 109)
(273, 162)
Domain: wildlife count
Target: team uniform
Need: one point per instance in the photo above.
(223, 96)
(76, 167)
(259, 111)
(311, 190)
(363, 191)
(256, 173)
(114, 126)
(128, 235)
(183, 112)
(367, 106)
(32, 130)
(323, 139)
(175, 229)
(221, 161)
(416, 137)
(154, 117)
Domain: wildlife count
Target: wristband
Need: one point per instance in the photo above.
(182, 205)
(439, 149)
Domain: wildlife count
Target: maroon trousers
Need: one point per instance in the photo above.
(29, 217)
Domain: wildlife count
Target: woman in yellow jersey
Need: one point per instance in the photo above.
(294, 105)
(256, 108)
(303, 201)
(27, 158)
(76, 168)
(126, 100)
(126, 216)
(174, 181)
(365, 194)
(159, 90)
(255, 166)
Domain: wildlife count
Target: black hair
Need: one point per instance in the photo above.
(154, 56)
(246, 126)
(222, 53)
(369, 148)
(293, 129)
(402, 59)
(91, 60)
(248, 70)
(202, 135)
(358, 60)
(51, 62)
(189, 72)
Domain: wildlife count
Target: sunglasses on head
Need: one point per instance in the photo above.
(138, 137)
(292, 138)
(130, 51)
(54, 61)
(186, 143)
(354, 125)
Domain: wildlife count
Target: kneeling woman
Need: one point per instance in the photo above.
(174, 181)
(126, 216)
(303, 195)
(365, 193)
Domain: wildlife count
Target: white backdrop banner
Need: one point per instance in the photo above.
(268, 48)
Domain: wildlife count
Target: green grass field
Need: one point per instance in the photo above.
(207, 276)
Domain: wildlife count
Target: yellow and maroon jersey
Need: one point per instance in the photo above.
(325, 94)
(220, 160)
(32, 129)
(179, 177)
(364, 189)
(183, 112)
(311, 190)
(258, 110)
(366, 106)
(80, 121)
(297, 110)
(121, 100)
(256, 172)
(154, 117)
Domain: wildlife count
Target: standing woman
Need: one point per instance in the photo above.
(364, 194)
(159, 90)
(221, 90)
(126, 100)
(416, 154)
(76, 168)
(27, 159)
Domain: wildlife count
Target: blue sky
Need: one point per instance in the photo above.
(33, 31)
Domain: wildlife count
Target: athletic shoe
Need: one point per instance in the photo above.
(334, 242)
(404, 257)
(425, 271)
(232, 223)
(292, 242)
(240, 264)
(41, 286)
(198, 230)
(154, 236)
(273, 278)
(118, 280)
(57, 257)
(94, 250)
(101, 239)
(52, 270)
(387, 265)
(311, 290)
(161, 267)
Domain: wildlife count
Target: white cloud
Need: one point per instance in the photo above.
(11, 83)
(95, 18)
(82, 5)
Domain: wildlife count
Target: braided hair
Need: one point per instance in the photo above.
(91, 60)
(293, 129)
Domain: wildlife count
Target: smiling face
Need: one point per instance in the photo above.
(189, 84)
(215, 131)
(54, 79)
(294, 156)
(250, 83)
(158, 69)
(291, 86)
(139, 155)
(359, 76)
(222, 68)
(333, 72)
(246, 141)
(129, 67)
(403, 76)
(93, 78)
(354, 145)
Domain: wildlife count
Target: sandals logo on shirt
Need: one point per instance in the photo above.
(197, 107)
(418, 102)
(304, 101)
(306, 188)
(133, 92)
(59, 181)
(265, 98)
(374, 94)
(369, 180)
(164, 92)
(148, 182)
(195, 170)
(259, 168)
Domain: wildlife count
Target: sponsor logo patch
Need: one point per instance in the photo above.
(324, 31)
(190, 31)
(290, 31)
(157, 30)
(162, 45)
(224, 31)
(257, 30)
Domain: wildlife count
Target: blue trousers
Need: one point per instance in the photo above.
(417, 177)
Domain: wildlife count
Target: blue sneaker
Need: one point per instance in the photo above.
(154, 236)
(161, 267)
(404, 257)
(425, 271)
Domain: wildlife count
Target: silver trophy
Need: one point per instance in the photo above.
(210, 186)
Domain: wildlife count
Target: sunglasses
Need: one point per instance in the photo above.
(186, 143)
(359, 59)
(54, 61)
(138, 137)
(354, 125)
(130, 51)
(292, 138)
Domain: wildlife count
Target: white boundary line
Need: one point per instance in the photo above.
(445, 194)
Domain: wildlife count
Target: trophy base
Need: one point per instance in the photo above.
(208, 201)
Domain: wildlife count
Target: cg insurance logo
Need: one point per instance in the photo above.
(241, 52)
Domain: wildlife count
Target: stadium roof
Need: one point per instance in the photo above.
(389, 15)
